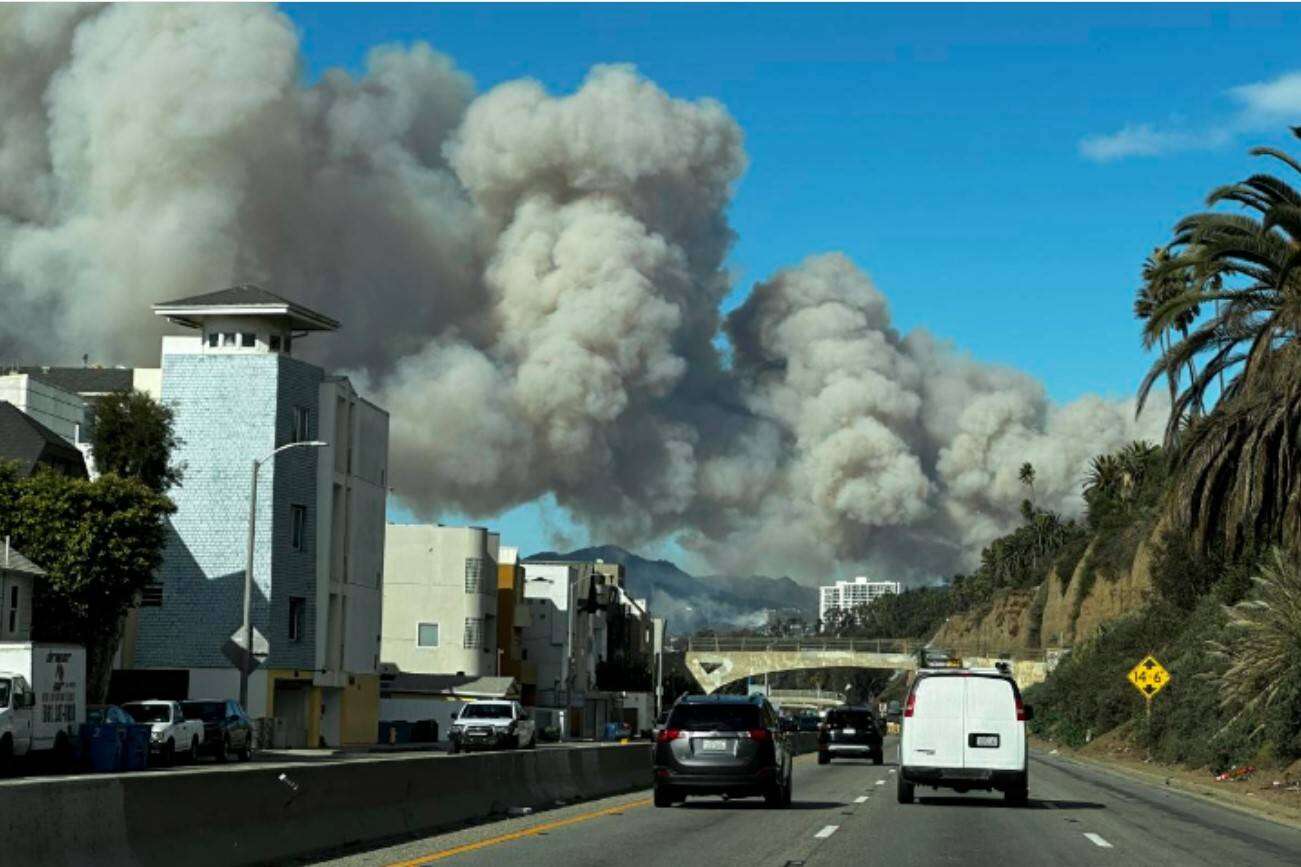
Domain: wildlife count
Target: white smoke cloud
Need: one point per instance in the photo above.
(530, 283)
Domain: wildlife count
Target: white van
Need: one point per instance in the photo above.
(962, 730)
(42, 699)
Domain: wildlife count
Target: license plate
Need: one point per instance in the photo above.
(984, 740)
(713, 746)
(848, 731)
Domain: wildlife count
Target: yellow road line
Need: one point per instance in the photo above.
(516, 835)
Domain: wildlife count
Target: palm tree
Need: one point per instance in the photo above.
(1265, 632)
(1239, 468)
(1026, 475)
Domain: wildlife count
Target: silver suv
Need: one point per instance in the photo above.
(726, 745)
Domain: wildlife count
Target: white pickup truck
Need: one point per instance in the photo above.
(42, 699)
(170, 732)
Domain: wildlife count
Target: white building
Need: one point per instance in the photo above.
(848, 595)
(440, 600)
(548, 589)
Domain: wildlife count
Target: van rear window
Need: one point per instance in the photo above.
(715, 717)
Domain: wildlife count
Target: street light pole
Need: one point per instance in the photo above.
(247, 667)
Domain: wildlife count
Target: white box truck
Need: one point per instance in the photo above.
(42, 698)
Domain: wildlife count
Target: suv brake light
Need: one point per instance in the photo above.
(911, 705)
(758, 734)
(1020, 710)
(667, 735)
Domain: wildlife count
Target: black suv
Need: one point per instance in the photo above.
(726, 745)
(850, 731)
(227, 730)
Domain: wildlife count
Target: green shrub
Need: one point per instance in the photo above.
(1069, 557)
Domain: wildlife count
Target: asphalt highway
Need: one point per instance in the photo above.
(846, 814)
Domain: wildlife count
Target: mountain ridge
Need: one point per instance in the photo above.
(692, 602)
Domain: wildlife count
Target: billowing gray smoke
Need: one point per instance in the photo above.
(530, 283)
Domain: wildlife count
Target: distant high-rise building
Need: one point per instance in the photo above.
(847, 595)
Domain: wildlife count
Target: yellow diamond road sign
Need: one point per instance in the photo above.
(1149, 677)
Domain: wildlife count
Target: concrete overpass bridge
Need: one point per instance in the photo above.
(716, 662)
(806, 699)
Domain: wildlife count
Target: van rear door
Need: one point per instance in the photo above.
(934, 733)
(993, 737)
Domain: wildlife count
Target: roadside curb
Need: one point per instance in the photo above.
(1183, 787)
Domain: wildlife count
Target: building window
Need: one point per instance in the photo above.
(275, 342)
(228, 338)
(302, 423)
(13, 609)
(152, 595)
(473, 633)
(475, 580)
(524, 654)
(297, 617)
(212, 338)
(426, 634)
(298, 530)
(248, 340)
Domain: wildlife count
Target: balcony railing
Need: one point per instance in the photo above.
(815, 644)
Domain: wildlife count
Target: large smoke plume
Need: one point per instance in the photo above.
(530, 283)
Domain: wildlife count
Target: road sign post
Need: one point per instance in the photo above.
(1149, 677)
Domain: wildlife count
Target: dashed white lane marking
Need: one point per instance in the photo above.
(1097, 841)
(827, 831)
(861, 799)
(880, 782)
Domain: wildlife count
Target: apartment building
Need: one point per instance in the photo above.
(848, 595)
(239, 395)
(440, 600)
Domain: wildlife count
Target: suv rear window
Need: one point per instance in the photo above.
(715, 717)
(850, 718)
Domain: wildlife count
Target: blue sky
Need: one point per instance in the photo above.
(1000, 171)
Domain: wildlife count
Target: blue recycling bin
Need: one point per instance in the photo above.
(135, 754)
(104, 744)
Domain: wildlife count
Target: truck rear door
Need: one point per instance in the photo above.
(934, 733)
(993, 738)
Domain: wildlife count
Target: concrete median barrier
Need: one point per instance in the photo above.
(263, 813)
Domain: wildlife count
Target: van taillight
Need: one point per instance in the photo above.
(912, 703)
(667, 735)
(758, 734)
(1020, 710)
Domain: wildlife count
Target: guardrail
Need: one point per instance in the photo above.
(864, 645)
(910, 646)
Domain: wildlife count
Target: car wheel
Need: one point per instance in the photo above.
(775, 796)
(824, 758)
(1018, 795)
(533, 741)
(904, 790)
(168, 757)
(664, 796)
(878, 759)
(790, 789)
(223, 750)
(246, 751)
(452, 748)
(194, 749)
(6, 756)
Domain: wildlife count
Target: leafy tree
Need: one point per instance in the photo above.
(99, 542)
(133, 436)
(1238, 464)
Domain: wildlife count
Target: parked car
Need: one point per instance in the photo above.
(850, 731)
(723, 745)
(227, 730)
(170, 732)
(492, 725)
(963, 730)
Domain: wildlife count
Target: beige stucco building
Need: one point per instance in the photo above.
(440, 600)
